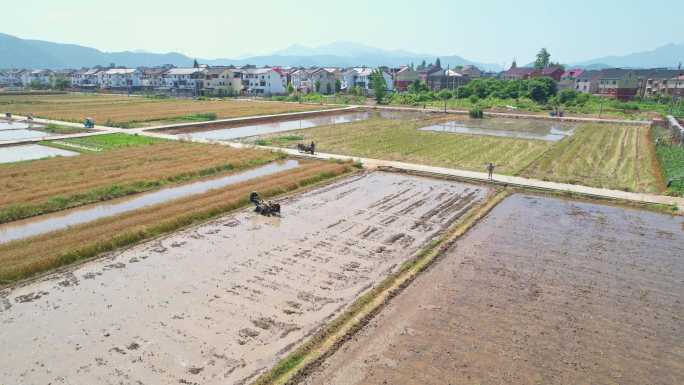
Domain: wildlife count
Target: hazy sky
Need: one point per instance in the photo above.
(492, 31)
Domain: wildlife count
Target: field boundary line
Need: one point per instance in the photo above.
(296, 365)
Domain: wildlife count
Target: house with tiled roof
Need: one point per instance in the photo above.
(569, 78)
(517, 73)
(618, 83)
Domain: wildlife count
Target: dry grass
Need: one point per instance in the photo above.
(399, 140)
(608, 156)
(23, 258)
(38, 187)
(127, 111)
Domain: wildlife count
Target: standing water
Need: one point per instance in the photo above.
(31, 152)
(45, 224)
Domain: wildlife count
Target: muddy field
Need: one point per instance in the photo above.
(542, 291)
(222, 302)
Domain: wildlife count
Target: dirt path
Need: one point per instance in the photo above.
(542, 291)
(220, 303)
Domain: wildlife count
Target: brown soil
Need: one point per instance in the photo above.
(220, 303)
(542, 291)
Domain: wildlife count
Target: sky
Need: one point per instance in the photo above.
(491, 31)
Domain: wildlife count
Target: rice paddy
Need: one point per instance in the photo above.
(135, 111)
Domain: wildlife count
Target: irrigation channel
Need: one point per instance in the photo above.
(47, 223)
(245, 131)
(10, 131)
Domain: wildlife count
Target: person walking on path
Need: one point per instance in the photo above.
(490, 170)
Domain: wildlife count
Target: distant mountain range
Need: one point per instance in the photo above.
(667, 56)
(25, 53)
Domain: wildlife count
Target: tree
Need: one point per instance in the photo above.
(328, 88)
(541, 89)
(195, 64)
(61, 83)
(379, 85)
(543, 59)
(438, 63)
(290, 88)
(317, 86)
(445, 95)
(338, 85)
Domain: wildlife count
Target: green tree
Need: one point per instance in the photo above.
(338, 86)
(328, 88)
(378, 85)
(438, 63)
(541, 89)
(543, 59)
(317, 86)
(36, 85)
(61, 83)
(290, 89)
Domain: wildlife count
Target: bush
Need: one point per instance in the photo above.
(476, 113)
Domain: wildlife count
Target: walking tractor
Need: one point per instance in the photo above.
(263, 207)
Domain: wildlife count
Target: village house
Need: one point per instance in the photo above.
(455, 79)
(152, 78)
(653, 82)
(587, 82)
(553, 72)
(471, 71)
(618, 83)
(569, 78)
(183, 80)
(222, 81)
(433, 77)
(404, 77)
(517, 73)
(121, 78)
(41, 78)
(675, 86)
(323, 81)
(264, 81)
(361, 77)
(301, 80)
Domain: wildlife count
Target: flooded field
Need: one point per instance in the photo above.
(290, 125)
(30, 152)
(15, 130)
(47, 223)
(222, 302)
(511, 128)
(542, 291)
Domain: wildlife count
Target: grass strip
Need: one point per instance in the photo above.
(324, 343)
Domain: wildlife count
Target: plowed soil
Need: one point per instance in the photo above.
(542, 291)
(222, 302)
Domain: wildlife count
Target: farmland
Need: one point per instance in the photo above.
(22, 258)
(125, 111)
(671, 160)
(127, 165)
(599, 155)
(221, 302)
(541, 291)
(400, 140)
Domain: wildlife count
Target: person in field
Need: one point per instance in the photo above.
(490, 170)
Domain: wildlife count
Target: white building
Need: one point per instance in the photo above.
(264, 81)
(39, 77)
(121, 78)
(361, 77)
(184, 79)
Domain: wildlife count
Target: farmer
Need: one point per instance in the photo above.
(313, 148)
(490, 170)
